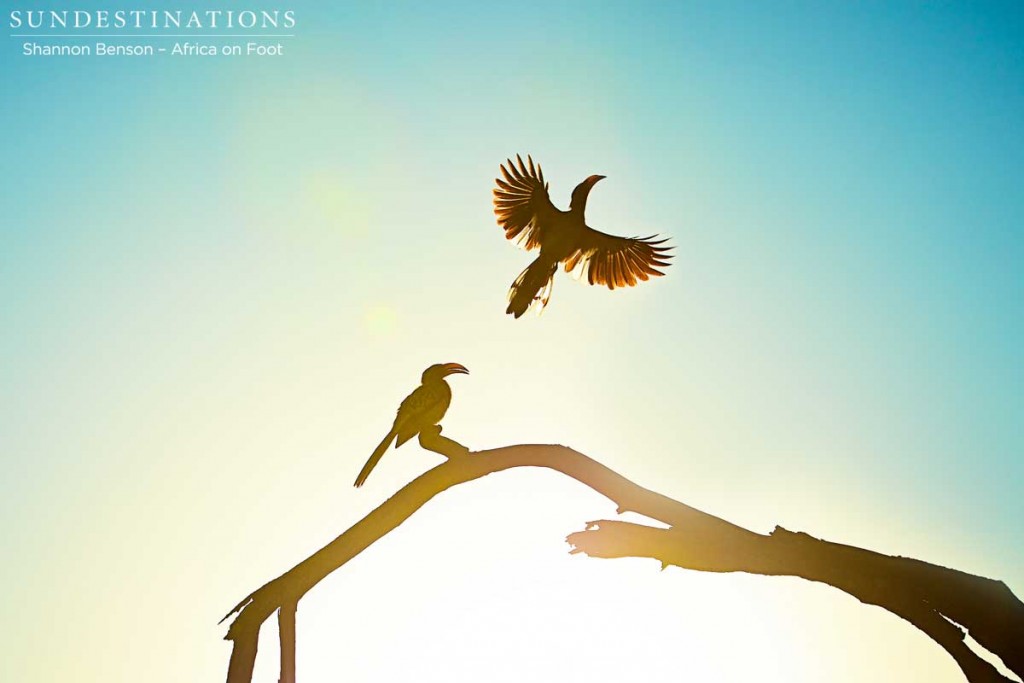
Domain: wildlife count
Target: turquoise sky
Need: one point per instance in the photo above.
(220, 276)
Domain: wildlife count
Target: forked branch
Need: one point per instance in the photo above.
(928, 596)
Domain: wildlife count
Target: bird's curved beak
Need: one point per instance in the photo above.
(453, 368)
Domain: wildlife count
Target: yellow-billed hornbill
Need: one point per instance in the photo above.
(525, 211)
(419, 414)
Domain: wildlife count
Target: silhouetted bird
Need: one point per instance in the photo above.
(525, 211)
(421, 410)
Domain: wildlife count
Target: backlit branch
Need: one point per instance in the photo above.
(935, 599)
(925, 595)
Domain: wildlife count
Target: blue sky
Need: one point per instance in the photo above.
(220, 276)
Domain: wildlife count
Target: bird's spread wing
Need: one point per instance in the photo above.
(522, 204)
(617, 261)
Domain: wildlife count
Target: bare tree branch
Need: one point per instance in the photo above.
(923, 594)
(935, 599)
(286, 633)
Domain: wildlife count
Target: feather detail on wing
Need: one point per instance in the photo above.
(521, 202)
(617, 261)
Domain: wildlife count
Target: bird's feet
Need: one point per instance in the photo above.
(431, 439)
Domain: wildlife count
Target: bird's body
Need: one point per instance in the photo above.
(421, 410)
(525, 211)
(424, 407)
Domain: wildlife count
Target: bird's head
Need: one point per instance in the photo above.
(441, 370)
(579, 195)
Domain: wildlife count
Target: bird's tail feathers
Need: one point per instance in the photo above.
(534, 284)
(375, 458)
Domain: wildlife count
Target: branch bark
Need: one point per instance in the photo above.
(926, 595)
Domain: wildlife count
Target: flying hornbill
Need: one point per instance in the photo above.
(419, 413)
(525, 211)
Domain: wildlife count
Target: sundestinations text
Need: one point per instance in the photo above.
(151, 19)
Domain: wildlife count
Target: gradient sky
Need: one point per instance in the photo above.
(219, 278)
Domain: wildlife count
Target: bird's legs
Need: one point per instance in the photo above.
(544, 295)
(431, 439)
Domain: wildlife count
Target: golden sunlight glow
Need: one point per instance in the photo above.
(221, 277)
(478, 585)
(380, 320)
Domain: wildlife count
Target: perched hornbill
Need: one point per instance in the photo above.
(419, 413)
(525, 211)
